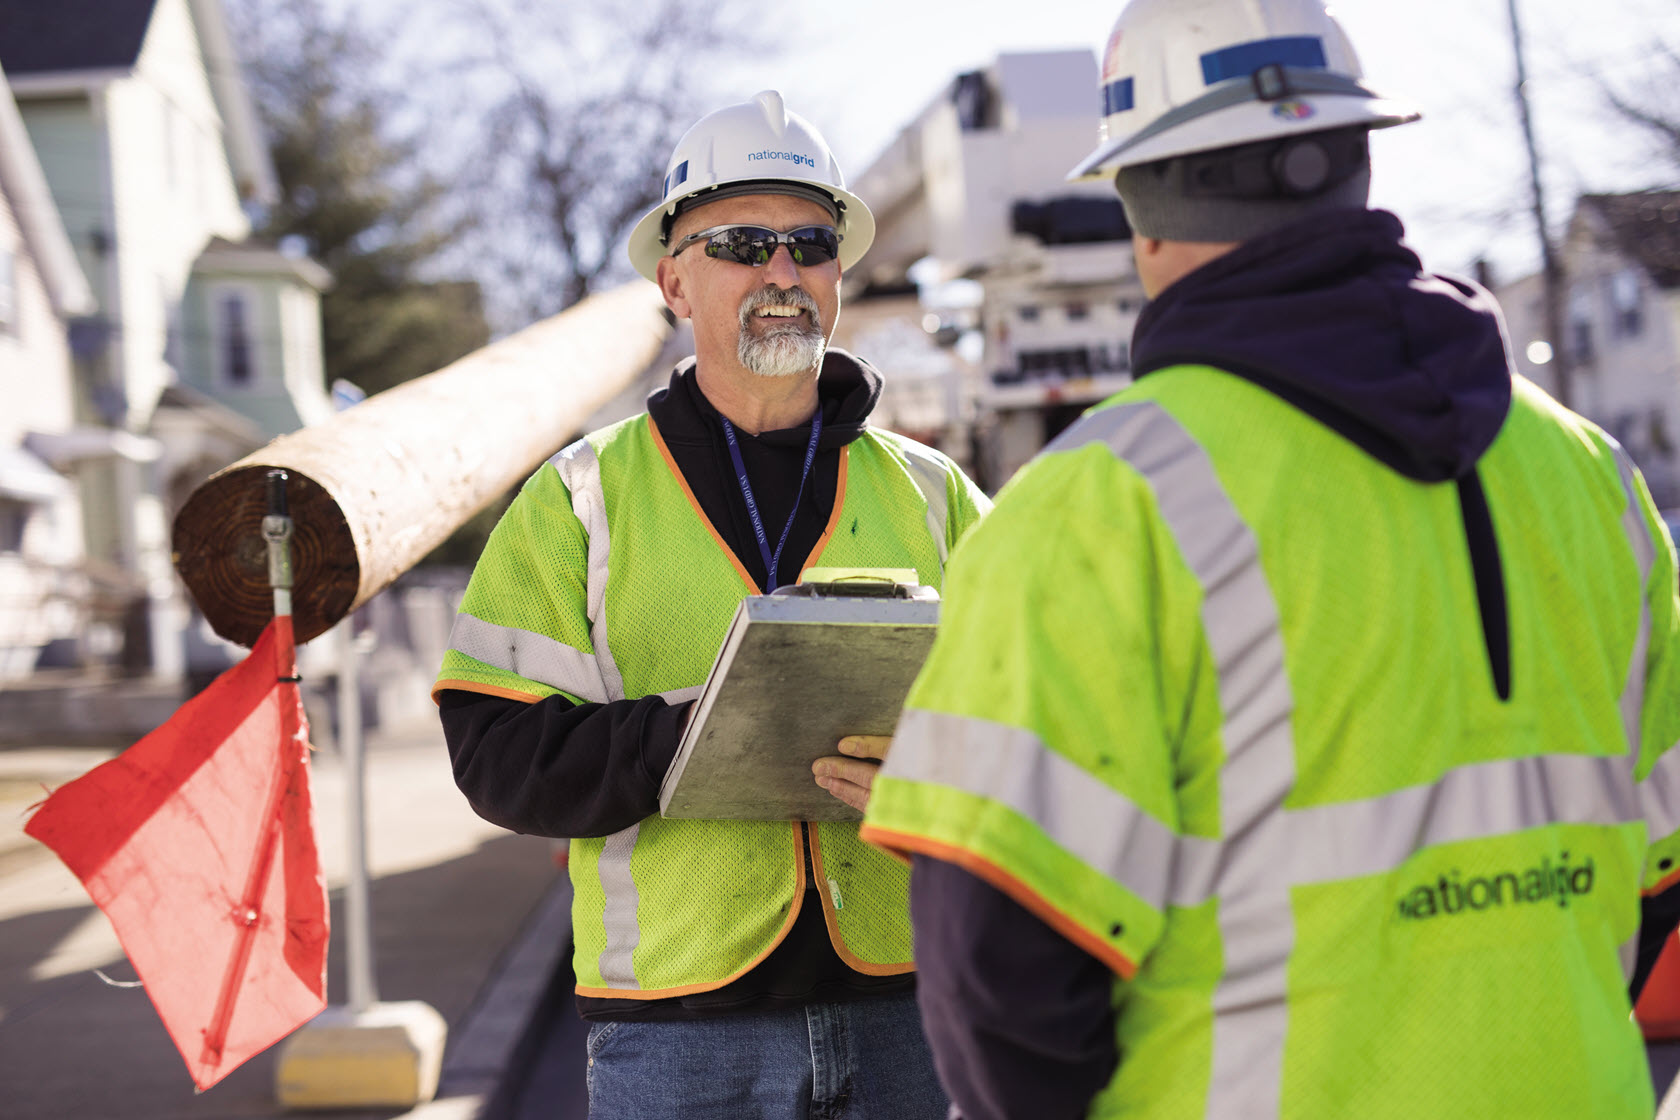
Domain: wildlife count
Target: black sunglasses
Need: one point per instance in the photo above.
(755, 245)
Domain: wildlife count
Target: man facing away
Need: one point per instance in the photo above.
(728, 968)
(1296, 743)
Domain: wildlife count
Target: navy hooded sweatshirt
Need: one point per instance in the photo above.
(1336, 316)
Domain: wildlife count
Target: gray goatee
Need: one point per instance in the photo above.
(790, 346)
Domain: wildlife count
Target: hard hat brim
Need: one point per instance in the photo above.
(1246, 123)
(856, 226)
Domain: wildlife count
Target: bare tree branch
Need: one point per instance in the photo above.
(588, 100)
(1650, 103)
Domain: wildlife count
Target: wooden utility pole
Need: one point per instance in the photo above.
(1552, 279)
(374, 489)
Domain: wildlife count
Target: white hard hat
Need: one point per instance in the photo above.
(755, 141)
(1183, 76)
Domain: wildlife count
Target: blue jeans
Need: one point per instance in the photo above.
(859, 1060)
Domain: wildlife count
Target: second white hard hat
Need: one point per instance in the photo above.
(1184, 76)
(757, 141)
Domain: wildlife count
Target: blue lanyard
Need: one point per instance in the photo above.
(771, 562)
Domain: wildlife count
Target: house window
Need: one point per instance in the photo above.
(12, 517)
(1580, 328)
(233, 315)
(1627, 312)
(8, 292)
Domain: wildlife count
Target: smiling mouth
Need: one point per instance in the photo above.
(778, 311)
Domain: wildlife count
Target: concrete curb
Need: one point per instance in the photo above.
(480, 1052)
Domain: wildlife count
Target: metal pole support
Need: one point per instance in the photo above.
(358, 947)
(277, 531)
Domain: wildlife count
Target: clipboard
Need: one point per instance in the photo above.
(798, 671)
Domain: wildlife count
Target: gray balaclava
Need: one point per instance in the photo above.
(1228, 195)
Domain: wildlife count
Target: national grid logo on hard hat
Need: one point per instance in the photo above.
(796, 158)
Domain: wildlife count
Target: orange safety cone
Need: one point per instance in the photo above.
(1658, 1009)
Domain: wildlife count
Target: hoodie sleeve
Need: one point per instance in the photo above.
(1019, 1018)
(554, 768)
(536, 742)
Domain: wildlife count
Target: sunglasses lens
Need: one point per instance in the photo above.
(813, 245)
(754, 245)
(742, 245)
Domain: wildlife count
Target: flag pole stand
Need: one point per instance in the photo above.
(362, 1053)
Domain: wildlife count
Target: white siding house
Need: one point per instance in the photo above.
(137, 113)
(1622, 333)
(41, 288)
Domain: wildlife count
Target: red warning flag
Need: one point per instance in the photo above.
(198, 842)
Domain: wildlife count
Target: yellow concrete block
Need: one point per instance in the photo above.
(388, 1055)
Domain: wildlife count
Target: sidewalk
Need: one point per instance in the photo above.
(466, 917)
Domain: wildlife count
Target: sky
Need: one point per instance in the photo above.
(1458, 178)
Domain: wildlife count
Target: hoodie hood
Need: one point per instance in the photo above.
(847, 390)
(1336, 315)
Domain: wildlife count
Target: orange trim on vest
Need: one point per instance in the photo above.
(486, 689)
(1664, 883)
(985, 869)
(713, 985)
(740, 568)
(834, 518)
(832, 921)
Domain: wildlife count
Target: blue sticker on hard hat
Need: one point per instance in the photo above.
(1304, 51)
(1117, 97)
(678, 177)
(1293, 110)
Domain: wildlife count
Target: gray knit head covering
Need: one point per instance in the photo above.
(1162, 200)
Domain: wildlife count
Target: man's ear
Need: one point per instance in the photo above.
(671, 286)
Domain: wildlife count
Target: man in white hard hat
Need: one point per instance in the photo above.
(1297, 740)
(729, 969)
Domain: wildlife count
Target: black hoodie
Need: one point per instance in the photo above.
(1345, 325)
(554, 768)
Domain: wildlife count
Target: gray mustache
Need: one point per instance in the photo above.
(767, 297)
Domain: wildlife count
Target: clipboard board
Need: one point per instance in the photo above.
(798, 671)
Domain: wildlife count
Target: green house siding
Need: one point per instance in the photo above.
(70, 145)
(205, 358)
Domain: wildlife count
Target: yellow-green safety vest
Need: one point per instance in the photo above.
(1211, 696)
(605, 581)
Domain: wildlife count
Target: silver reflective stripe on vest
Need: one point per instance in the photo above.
(618, 914)
(580, 470)
(1240, 618)
(1645, 554)
(930, 478)
(1088, 818)
(535, 657)
(1659, 793)
(1659, 796)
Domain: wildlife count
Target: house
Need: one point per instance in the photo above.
(201, 345)
(41, 289)
(1621, 258)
